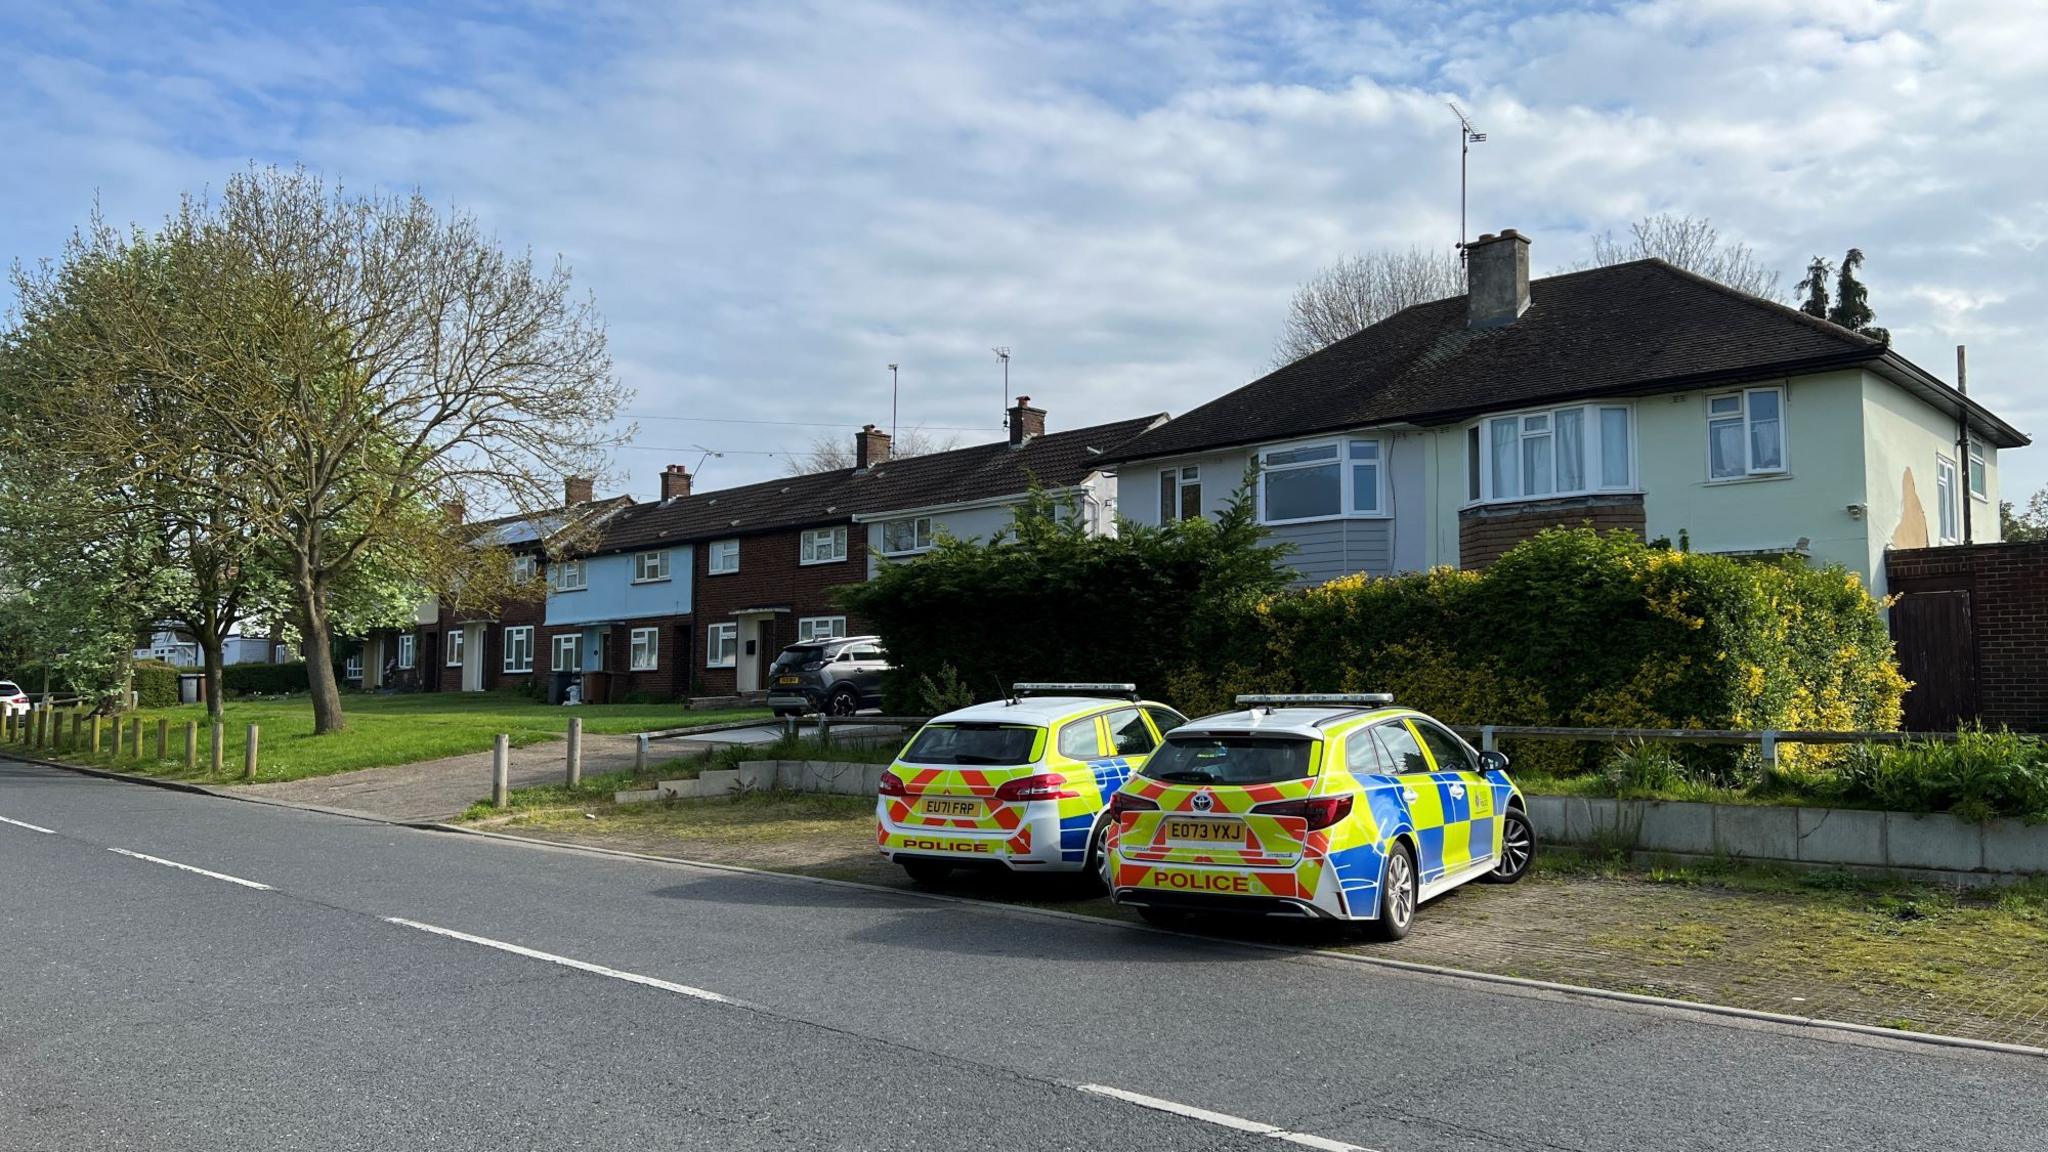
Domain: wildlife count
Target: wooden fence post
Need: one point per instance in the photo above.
(191, 745)
(249, 756)
(77, 727)
(95, 733)
(163, 738)
(215, 755)
(501, 771)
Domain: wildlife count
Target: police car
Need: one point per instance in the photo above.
(1324, 806)
(1020, 783)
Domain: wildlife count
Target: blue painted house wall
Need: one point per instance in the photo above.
(609, 594)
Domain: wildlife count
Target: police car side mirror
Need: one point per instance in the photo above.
(1493, 761)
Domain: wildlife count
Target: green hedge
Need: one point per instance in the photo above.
(263, 679)
(155, 683)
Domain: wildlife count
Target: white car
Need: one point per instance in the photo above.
(13, 700)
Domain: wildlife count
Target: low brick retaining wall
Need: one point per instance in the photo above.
(1832, 837)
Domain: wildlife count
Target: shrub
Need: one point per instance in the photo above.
(155, 684)
(263, 679)
(1978, 776)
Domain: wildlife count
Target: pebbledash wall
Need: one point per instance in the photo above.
(2007, 589)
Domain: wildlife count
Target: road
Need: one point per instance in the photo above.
(389, 988)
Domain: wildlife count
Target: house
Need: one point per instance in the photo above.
(171, 644)
(696, 593)
(454, 649)
(1635, 396)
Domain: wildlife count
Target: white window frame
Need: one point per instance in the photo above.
(1179, 478)
(650, 567)
(1749, 468)
(522, 567)
(352, 667)
(807, 628)
(1979, 477)
(921, 536)
(561, 572)
(1948, 509)
(523, 634)
(457, 640)
(1592, 473)
(808, 552)
(717, 561)
(1346, 509)
(725, 638)
(408, 651)
(572, 643)
(644, 642)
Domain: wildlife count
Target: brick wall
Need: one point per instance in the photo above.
(510, 614)
(770, 575)
(2008, 592)
(1485, 533)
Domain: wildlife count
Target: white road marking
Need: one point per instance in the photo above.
(566, 962)
(1221, 1119)
(200, 871)
(25, 824)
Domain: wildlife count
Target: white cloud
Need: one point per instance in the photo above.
(771, 204)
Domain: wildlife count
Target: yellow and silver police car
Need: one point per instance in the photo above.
(1324, 806)
(1021, 783)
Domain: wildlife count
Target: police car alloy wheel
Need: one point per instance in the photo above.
(1398, 893)
(1517, 848)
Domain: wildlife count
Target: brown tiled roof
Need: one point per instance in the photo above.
(525, 531)
(1639, 327)
(984, 471)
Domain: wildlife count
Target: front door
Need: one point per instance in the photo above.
(472, 657)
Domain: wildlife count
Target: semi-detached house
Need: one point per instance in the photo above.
(695, 593)
(1636, 396)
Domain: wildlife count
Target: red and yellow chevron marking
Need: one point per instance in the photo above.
(964, 784)
(1206, 881)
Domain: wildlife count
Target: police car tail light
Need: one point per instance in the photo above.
(893, 785)
(1319, 811)
(1124, 802)
(1044, 786)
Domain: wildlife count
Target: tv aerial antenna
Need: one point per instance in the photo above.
(1467, 137)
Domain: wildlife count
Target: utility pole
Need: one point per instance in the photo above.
(892, 404)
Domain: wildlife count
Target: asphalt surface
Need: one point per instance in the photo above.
(146, 1006)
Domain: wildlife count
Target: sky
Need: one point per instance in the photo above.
(770, 204)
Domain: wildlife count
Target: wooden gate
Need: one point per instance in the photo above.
(1937, 652)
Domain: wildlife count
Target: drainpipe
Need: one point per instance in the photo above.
(1963, 440)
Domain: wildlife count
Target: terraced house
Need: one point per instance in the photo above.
(695, 593)
(1635, 396)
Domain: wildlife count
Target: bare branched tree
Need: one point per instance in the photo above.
(1691, 243)
(354, 363)
(1362, 290)
(830, 451)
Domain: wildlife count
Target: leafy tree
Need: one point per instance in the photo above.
(1814, 288)
(1361, 290)
(352, 364)
(1691, 243)
(2024, 524)
(1852, 301)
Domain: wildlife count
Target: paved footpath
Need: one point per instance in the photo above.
(190, 972)
(441, 789)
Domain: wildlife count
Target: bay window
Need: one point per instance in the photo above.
(1321, 480)
(1559, 452)
(1745, 433)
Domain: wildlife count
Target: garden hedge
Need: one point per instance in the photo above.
(155, 683)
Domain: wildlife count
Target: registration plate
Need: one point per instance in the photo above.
(1205, 831)
(950, 808)
(786, 679)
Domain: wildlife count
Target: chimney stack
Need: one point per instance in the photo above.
(1496, 279)
(675, 481)
(577, 489)
(870, 447)
(1026, 423)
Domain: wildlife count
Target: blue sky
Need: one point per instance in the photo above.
(771, 203)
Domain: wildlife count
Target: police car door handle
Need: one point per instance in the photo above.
(1457, 791)
(1410, 795)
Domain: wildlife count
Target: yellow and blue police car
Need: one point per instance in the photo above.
(1324, 806)
(1021, 783)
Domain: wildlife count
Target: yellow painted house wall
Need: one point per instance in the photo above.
(1902, 438)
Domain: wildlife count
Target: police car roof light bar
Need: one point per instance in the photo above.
(1269, 701)
(1129, 691)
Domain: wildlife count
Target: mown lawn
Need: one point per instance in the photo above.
(382, 730)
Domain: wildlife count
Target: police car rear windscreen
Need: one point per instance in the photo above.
(1229, 760)
(972, 744)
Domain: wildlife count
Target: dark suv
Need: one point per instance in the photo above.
(841, 676)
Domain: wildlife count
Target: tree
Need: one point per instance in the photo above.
(1852, 301)
(1361, 290)
(829, 452)
(2030, 523)
(1815, 288)
(1691, 243)
(356, 363)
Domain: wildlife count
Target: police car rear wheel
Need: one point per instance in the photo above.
(1095, 870)
(1517, 848)
(1397, 897)
(926, 873)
